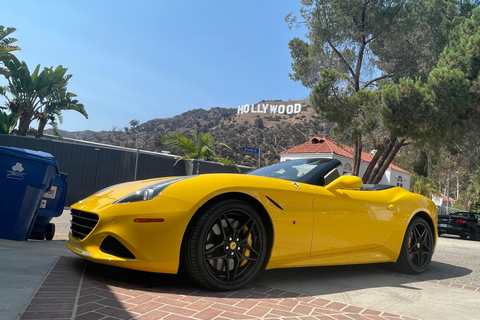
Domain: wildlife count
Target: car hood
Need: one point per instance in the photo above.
(104, 198)
(121, 190)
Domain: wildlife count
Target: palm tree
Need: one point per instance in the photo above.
(422, 185)
(6, 45)
(7, 122)
(199, 148)
(63, 100)
(40, 95)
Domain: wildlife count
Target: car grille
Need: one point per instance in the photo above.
(82, 223)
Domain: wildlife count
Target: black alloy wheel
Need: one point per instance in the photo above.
(417, 247)
(226, 247)
(476, 234)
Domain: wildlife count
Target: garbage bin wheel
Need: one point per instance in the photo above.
(50, 231)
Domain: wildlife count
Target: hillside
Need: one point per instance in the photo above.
(272, 133)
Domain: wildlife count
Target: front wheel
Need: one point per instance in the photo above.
(417, 247)
(226, 247)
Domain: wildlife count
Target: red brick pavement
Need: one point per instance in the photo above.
(80, 290)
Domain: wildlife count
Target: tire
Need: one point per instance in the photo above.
(476, 234)
(226, 247)
(417, 247)
(50, 231)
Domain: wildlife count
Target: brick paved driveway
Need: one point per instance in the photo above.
(76, 289)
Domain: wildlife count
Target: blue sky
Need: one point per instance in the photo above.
(150, 59)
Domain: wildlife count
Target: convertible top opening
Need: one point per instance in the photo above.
(375, 187)
(312, 171)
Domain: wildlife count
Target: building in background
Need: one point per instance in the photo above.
(321, 147)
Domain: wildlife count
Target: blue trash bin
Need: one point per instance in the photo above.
(51, 206)
(25, 175)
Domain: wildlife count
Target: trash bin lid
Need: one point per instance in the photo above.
(33, 155)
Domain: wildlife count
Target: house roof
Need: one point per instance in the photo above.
(444, 198)
(324, 145)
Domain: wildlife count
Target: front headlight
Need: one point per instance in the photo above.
(149, 192)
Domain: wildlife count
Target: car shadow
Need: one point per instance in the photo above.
(341, 279)
(322, 280)
(106, 290)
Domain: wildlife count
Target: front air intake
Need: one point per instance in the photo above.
(82, 223)
(114, 247)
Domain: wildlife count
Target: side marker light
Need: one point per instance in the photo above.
(148, 220)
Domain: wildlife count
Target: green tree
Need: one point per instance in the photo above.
(441, 111)
(61, 101)
(456, 81)
(338, 58)
(7, 122)
(6, 45)
(470, 198)
(354, 112)
(38, 95)
(358, 45)
(422, 185)
(201, 147)
(134, 123)
(418, 112)
(418, 35)
(405, 113)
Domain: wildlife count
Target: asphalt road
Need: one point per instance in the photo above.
(432, 295)
(457, 260)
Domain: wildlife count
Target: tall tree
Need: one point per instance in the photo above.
(404, 113)
(441, 111)
(61, 101)
(470, 198)
(340, 34)
(366, 43)
(6, 45)
(354, 112)
(38, 95)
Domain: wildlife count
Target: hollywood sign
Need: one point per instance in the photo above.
(270, 108)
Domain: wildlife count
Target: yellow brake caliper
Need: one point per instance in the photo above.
(246, 251)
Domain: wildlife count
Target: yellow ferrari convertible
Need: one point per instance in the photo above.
(223, 229)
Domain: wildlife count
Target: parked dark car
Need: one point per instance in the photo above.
(463, 224)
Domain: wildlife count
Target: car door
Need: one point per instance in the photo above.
(349, 220)
(290, 209)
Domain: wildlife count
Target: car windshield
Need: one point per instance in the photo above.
(294, 170)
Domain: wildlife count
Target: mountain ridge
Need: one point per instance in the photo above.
(273, 133)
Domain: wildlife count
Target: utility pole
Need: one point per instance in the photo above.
(138, 144)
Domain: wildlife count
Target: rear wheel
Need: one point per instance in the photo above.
(417, 247)
(50, 231)
(476, 234)
(227, 246)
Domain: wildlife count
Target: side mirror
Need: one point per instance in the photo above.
(345, 182)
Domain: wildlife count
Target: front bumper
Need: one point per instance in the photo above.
(118, 239)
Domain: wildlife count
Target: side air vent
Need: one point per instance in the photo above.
(82, 223)
(114, 247)
(274, 203)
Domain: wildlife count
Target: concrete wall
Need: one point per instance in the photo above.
(92, 167)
